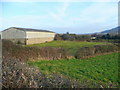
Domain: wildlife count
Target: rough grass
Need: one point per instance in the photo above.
(71, 46)
(99, 69)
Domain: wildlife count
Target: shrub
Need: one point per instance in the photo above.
(105, 48)
(97, 49)
(32, 53)
(72, 37)
(84, 52)
(19, 42)
(58, 37)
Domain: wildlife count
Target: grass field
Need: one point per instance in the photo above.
(71, 46)
(99, 69)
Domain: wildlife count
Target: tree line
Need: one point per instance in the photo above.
(86, 37)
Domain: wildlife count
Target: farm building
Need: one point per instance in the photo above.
(27, 36)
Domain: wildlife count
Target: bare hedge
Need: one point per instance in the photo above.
(105, 48)
(33, 53)
(84, 52)
(52, 53)
(97, 49)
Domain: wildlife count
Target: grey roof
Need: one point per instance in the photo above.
(29, 29)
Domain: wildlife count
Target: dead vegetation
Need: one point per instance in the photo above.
(17, 74)
(95, 50)
(33, 53)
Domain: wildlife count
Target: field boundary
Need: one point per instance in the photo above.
(53, 53)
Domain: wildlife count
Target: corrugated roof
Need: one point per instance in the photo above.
(29, 29)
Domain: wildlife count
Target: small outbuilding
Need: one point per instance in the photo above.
(27, 36)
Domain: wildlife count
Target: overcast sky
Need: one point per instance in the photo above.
(58, 16)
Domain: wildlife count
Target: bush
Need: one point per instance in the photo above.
(105, 48)
(97, 49)
(58, 37)
(19, 42)
(72, 37)
(32, 53)
(85, 52)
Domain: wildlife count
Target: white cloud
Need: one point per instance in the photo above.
(55, 16)
(97, 17)
(61, 12)
(23, 21)
(97, 13)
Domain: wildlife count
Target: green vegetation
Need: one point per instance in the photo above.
(71, 46)
(99, 69)
(68, 44)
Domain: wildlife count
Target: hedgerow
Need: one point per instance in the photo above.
(96, 49)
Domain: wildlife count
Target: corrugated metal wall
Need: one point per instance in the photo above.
(13, 33)
(39, 35)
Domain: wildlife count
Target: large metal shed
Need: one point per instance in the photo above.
(27, 36)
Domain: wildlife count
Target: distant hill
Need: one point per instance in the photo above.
(112, 31)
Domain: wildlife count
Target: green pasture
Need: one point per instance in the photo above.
(99, 69)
